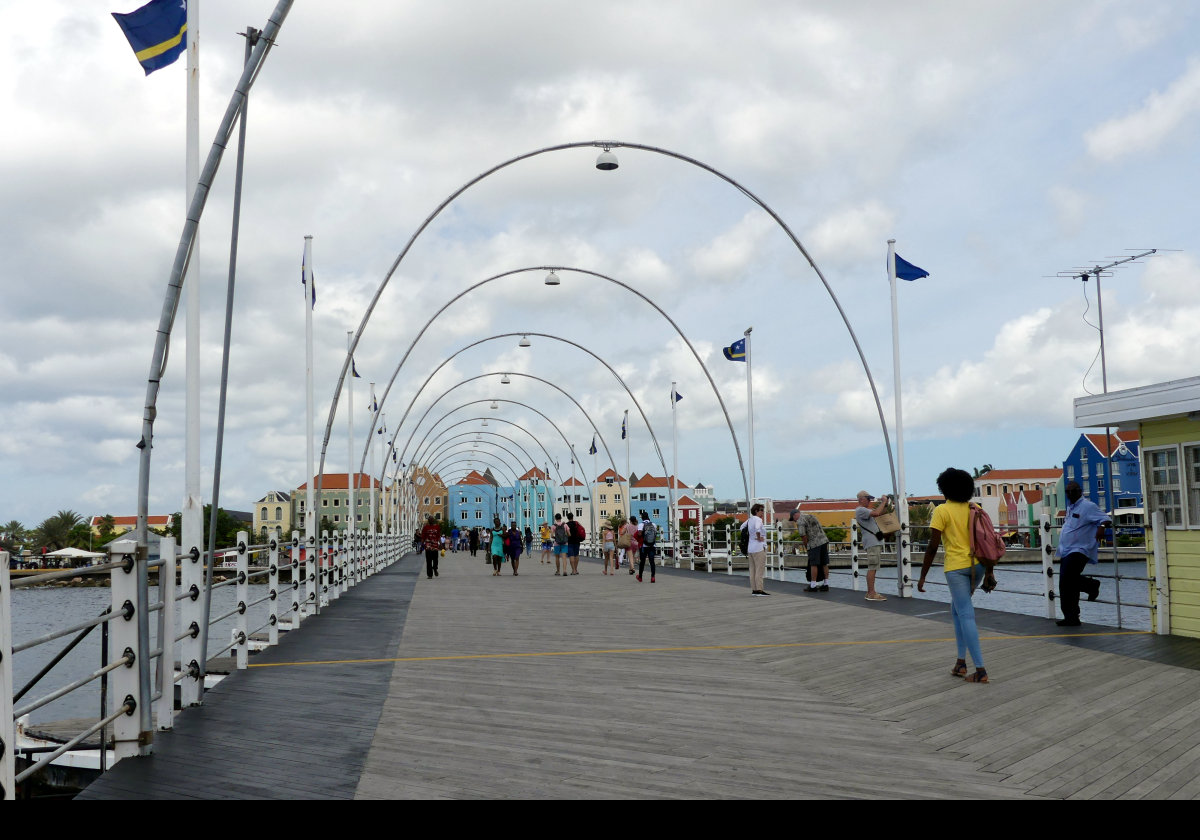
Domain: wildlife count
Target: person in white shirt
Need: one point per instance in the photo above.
(757, 550)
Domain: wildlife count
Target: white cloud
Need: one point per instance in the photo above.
(849, 234)
(1145, 129)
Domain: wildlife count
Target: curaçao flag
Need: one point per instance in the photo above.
(592, 451)
(157, 32)
(736, 352)
(623, 422)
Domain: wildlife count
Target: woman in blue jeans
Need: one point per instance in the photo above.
(950, 529)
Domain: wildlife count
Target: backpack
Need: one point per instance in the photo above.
(744, 539)
(986, 545)
(649, 533)
(577, 531)
(560, 534)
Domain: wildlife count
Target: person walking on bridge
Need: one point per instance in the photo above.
(950, 528)
(431, 538)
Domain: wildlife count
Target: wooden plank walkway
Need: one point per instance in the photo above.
(600, 687)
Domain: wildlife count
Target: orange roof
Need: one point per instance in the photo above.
(687, 500)
(713, 517)
(607, 474)
(341, 481)
(1031, 474)
(534, 473)
(1032, 496)
(814, 505)
(1114, 440)
(163, 521)
(474, 478)
(655, 481)
(572, 482)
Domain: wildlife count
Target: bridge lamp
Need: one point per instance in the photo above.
(552, 279)
(607, 161)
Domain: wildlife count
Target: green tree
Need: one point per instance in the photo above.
(836, 534)
(984, 470)
(13, 536)
(60, 531)
(227, 528)
(721, 526)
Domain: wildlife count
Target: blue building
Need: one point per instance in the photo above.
(532, 501)
(473, 501)
(1087, 464)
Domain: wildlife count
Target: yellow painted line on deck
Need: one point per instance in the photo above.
(688, 649)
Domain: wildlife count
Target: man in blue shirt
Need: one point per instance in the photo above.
(1078, 545)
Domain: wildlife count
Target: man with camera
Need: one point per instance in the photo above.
(870, 536)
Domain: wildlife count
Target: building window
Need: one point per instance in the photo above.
(1099, 468)
(479, 514)
(479, 500)
(604, 513)
(437, 500)
(437, 516)
(1116, 484)
(358, 517)
(578, 512)
(336, 518)
(324, 503)
(616, 497)
(1191, 454)
(336, 502)
(1070, 473)
(654, 512)
(603, 498)
(463, 516)
(279, 513)
(426, 502)
(541, 498)
(1162, 482)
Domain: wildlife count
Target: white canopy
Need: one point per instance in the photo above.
(75, 552)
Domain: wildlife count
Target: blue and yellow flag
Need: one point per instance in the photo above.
(354, 370)
(592, 451)
(736, 352)
(624, 420)
(157, 32)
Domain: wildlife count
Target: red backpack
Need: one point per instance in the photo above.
(986, 546)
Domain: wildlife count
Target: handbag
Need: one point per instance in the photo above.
(623, 541)
(888, 523)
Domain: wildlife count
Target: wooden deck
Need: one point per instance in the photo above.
(600, 687)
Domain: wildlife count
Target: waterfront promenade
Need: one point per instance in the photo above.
(471, 686)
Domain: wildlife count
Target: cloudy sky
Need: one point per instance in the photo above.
(999, 143)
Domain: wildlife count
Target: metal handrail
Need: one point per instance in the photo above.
(125, 709)
(66, 631)
(21, 583)
(67, 689)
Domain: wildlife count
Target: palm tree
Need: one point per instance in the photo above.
(984, 470)
(13, 535)
(58, 531)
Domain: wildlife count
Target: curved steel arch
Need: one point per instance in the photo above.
(484, 455)
(615, 144)
(502, 400)
(477, 433)
(605, 277)
(536, 439)
(612, 461)
(451, 441)
(456, 353)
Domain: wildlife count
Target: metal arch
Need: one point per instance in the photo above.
(536, 439)
(477, 434)
(613, 280)
(456, 353)
(609, 145)
(454, 441)
(512, 402)
(612, 461)
(468, 453)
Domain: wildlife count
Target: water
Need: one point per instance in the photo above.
(1020, 590)
(40, 610)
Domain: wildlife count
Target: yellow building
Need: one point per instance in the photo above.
(274, 511)
(1167, 416)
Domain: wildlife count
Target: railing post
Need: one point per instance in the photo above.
(1162, 583)
(191, 616)
(8, 731)
(273, 587)
(243, 595)
(325, 588)
(1048, 565)
(122, 642)
(297, 612)
(312, 591)
(854, 536)
(904, 572)
(164, 708)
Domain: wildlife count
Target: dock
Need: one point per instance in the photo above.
(598, 687)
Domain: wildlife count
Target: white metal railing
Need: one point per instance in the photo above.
(141, 676)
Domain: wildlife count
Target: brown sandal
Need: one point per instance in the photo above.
(980, 676)
(959, 670)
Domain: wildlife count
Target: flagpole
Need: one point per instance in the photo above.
(352, 478)
(592, 491)
(310, 513)
(371, 478)
(674, 467)
(750, 419)
(192, 515)
(904, 549)
(628, 480)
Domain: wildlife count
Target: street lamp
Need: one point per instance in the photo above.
(504, 380)
(524, 342)
(552, 278)
(607, 161)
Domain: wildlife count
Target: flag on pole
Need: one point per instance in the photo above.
(907, 271)
(374, 405)
(157, 32)
(736, 352)
(624, 420)
(393, 456)
(304, 278)
(592, 451)
(677, 397)
(354, 370)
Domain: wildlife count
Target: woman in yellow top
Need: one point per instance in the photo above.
(949, 528)
(547, 539)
